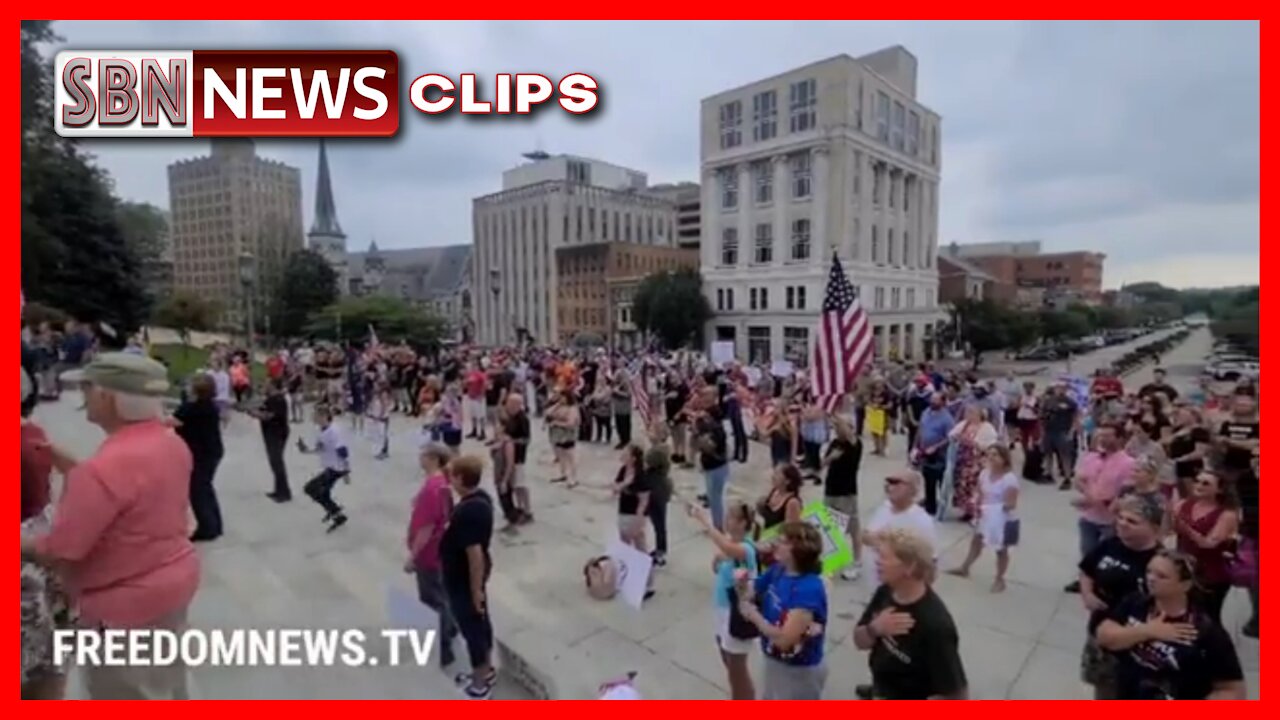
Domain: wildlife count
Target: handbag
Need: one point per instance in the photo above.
(1012, 532)
(1243, 565)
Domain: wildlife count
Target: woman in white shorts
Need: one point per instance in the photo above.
(735, 554)
(997, 526)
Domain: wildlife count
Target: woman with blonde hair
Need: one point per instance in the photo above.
(997, 525)
(913, 642)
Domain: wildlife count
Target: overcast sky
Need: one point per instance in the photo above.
(1139, 140)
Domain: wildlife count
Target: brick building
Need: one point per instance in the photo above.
(1021, 267)
(597, 283)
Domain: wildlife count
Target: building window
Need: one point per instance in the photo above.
(728, 299)
(913, 133)
(896, 129)
(800, 297)
(731, 124)
(877, 183)
(882, 116)
(759, 340)
(907, 187)
(795, 345)
(764, 115)
(791, 298)
(720, 299)
(579, 172)
(911, 298)
(906, 248)
(933, 145)
(857, 173)
(764, 244)
(895, 298)
(801, 175)
(879, 298)
(875, 244)
(729, 246)
(764, 298)
(804, 105)
(763, 173)
(795, 297)
(800, 239)
(889, 244)
(893, 190)
(754, 299)
(728, 188)
(857, 239)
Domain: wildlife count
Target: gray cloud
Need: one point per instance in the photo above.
(1135, 139)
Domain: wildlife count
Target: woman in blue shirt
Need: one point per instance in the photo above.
(734, 552)
(788, 604)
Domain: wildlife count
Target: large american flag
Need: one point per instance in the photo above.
(640, 400)
(844, 340)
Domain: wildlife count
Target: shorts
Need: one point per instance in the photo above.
(846, 505)
(727, 643)
(630, 526)
(517, 477)
(475, 409)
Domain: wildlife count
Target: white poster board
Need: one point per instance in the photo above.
(633, 571)
(782, 369)
(722, 352)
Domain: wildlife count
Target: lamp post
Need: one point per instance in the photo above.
(248, 278)
(495, 287)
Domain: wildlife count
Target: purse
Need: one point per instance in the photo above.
(1243, 565)
(740, 628)
(1012, 532)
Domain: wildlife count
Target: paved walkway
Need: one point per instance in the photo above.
(277, 568)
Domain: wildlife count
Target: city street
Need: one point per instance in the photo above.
(276, 567)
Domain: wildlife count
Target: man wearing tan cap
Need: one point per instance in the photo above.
(119, 534)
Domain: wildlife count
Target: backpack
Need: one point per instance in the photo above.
(602, 577)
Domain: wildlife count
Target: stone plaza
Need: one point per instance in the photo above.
(277, 568)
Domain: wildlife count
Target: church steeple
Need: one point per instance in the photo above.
(326, 217)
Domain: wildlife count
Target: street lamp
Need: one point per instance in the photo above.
(495, 287)
(248, 279)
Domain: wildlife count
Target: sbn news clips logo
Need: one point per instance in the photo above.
(280, 93)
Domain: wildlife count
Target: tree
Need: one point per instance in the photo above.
(307, 284)
(394, 320)
(981, 325)
(185, 311)
(671, 306)
(1063, 325)
(34, 313)
(74, 256)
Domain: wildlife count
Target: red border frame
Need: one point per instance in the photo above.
(571, 9)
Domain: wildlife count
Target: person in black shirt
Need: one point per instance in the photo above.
(199, 424)
(632, 488)
(914, 644)
(713, 454)
(466, 565)
(274, 419)
(516, 431)
(1116, 568)
(842, 460)
(1158, 385)
(1238, 435)
(1187, 447)
(1165, 647)
(677, 396)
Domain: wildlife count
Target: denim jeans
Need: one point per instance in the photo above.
(1092, 534)
(717, 479)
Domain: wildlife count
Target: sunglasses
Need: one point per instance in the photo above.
(890, 482)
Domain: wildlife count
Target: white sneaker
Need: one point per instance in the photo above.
(849, 573)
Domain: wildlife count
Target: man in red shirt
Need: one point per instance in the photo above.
(275, 367)
(474, 384)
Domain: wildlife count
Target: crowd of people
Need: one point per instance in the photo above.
(1165, 485)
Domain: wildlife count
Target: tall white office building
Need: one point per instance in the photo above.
(545, 204)
(833, 157)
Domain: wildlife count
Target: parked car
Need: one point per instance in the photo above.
(1044, 352)
(1233, 370)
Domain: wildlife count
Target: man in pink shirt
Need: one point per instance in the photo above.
(431, 510)
(1099, 476)
(119, 535)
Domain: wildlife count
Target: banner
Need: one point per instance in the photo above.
(837, 553)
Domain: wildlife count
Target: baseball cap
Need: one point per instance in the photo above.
(123, 372)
